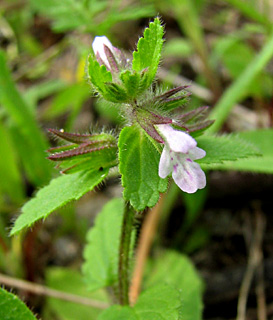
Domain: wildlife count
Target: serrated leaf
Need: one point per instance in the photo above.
(98, 75)
(131, 81)
(101, 79)
(115, 93)
(225, 148)
(59, 192)
(138, 166)
(12, 308)
(71, 281)
(148, 52)
(161, 302)
(262, 139)
(183, 277)
(101, 252)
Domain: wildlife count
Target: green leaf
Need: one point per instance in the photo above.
(139, 160)
(101, 79)
(101, 251)
(118, 313)
(183, 277)
(59, 192)
(262, 139)
(71, 281)
(12, 308)
(115, 93)
(224, 148)
(239, 87)
(131, 81)
(25, 123)
(148, 52)
(161, 302)
(98, 75)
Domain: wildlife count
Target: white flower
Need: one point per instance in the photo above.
(177, 157)
(99, 45)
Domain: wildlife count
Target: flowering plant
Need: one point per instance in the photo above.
(160, 136)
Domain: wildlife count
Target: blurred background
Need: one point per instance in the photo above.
(223, 50)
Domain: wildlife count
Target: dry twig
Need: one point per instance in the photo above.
(254, 261)
(42, 290)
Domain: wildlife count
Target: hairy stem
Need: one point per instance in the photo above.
(124, 252)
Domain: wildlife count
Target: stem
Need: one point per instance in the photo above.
(144, 245)
(124, 252)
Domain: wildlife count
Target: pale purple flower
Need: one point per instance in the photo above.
(180, 151)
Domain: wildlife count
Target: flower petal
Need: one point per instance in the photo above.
(197, 153)
(165, 165)
(189, 176)
(178, 141)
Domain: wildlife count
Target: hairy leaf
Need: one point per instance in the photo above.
(148, 52)
(131, 81)
(101, 251)
(224, 148)
(115, 93)
(98, 75)
(139, 161)
(12, 308)
(59, 192)
(264, 164)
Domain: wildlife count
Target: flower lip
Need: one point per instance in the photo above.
(178, 141)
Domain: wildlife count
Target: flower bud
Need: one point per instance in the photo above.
(107, 54)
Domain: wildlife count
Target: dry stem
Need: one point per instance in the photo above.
(45, 291)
